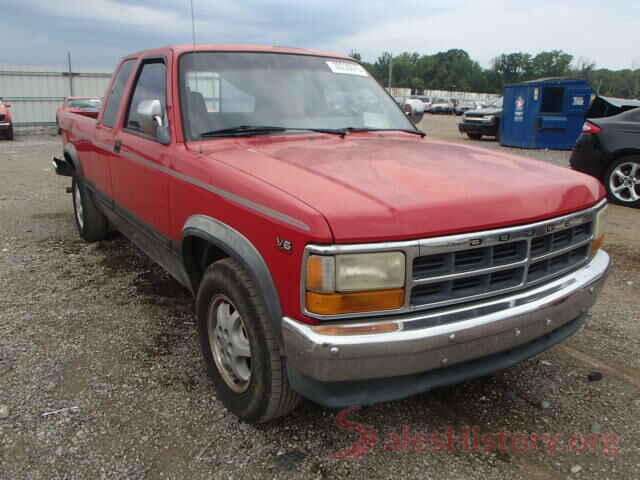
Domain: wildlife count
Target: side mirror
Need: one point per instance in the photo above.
(414, 110)
(150, 119)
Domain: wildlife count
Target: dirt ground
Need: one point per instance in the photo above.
(100, 374)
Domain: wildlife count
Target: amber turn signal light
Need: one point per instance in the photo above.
(597, 244)
(354, 302)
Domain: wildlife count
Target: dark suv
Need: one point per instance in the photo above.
(484, 121)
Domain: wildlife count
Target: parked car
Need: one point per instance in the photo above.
(410, 105)
(463, 107)
(609, 149)
(484, 121)
(425, 100)
(87, 106)
(440, 105)
(334, 253)
(6, 120)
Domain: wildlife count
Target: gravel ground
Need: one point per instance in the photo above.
(100, 375)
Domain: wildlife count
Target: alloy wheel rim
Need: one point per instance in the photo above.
(79, 210)
(624, 182)
(229, 344)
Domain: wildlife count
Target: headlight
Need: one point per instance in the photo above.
(489, 118)
(352, 283)
(599, 229)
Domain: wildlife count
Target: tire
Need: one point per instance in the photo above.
(91, 223)
(229, 301)
(475, 136)
(10, 133)
(622, 181)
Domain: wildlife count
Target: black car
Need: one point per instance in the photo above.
(609, 149)
(464, 107)
(484, 121)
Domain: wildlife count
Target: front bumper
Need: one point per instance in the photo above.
(433, 342)
(488, 128)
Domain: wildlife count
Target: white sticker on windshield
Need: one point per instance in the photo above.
(348, 68)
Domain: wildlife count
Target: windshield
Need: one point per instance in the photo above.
(84, 103)
(227, 90)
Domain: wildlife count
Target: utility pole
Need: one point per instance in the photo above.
(635, 72)
(70, 74)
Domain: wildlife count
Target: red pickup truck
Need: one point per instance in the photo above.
(334, 252)
(87, 106)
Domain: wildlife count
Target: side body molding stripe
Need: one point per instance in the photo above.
(270, 212)
(241, 249)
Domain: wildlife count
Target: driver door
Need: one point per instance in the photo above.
(139, 178)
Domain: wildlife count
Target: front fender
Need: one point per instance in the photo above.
(237, 246)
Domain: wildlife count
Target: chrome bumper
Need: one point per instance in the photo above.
(430, 340)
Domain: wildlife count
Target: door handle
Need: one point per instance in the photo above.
(117, 145)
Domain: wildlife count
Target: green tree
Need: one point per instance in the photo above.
(455, 70)
(355, 55)
(555, 63)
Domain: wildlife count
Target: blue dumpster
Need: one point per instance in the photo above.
(545, 113)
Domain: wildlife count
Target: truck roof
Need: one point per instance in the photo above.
(225, 47)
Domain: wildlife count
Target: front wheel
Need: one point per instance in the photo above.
(475, 136)
(622, 181)
(10, 133)
(239, 347)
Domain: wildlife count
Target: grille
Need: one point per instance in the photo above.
(479, 120)
(495, 263)
(467, 286)
(470, 259)
(469, 267)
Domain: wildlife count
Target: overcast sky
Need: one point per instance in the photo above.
(98, 32)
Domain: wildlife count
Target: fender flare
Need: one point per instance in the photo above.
(71, 152)
(238, 247)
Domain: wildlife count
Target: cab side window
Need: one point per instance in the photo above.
(150, 85)
(117, 90)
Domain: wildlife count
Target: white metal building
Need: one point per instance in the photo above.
(36, 92)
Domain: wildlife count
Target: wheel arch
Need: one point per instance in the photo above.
(206, 240)
(624, 152)
(614, 157)
(71, 155)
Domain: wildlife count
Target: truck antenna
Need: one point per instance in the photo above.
(193, 40)
(193, 27)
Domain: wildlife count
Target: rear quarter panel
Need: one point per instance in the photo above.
(79, 131)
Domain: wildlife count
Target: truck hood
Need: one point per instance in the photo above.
(382, 186)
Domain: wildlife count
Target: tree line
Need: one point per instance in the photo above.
(456, 70)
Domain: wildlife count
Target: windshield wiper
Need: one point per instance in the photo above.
(406, 130)
(247, 130)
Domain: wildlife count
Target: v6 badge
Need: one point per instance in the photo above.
(286, 245)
